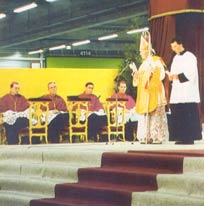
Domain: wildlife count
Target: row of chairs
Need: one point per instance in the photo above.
(78, 119)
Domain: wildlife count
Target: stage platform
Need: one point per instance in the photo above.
(100, 174)
(112, 146)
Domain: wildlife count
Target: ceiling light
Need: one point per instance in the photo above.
(112, 36)
(68, 47)
(26, 7)
(137, 30)
(57, 47)
(2, 15)
(36, 52)
(81, 43)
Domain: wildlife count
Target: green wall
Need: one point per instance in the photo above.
(83, 62)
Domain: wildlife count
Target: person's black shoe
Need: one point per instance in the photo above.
(188, 142)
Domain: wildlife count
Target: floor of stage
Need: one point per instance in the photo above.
(115, 146)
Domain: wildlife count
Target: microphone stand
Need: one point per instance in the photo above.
(116, 97)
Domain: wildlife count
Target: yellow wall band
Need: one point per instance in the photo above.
(33, 82)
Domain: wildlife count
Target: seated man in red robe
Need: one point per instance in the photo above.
(131, 117)
(97, 117)
(15, 110)
(58, 113)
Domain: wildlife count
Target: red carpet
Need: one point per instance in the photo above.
(119, 175)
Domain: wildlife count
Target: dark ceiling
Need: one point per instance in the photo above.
(69, 21)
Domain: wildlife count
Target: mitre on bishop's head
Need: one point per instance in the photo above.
(145, 42)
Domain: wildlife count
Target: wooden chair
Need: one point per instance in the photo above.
(78, 117)
(38, 120)
(116, 118)
(2, 131)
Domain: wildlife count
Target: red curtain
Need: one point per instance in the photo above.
(184, 17)
(166, 7)
(162, 30)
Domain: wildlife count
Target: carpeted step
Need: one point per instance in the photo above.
(184, 184)
(27, 185)
(111, 185)
(160, 162)
(89, 194)
(59, 172)
(20, 153)
(73, 157)
(193, 165)
(52, 154)
(72, 202)
(165, 199)
(93, 192)
(177, 189)
(107, 190)
(31, 172)
(9, 169)
(120, 174)
(116, 178)
(16, 198)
